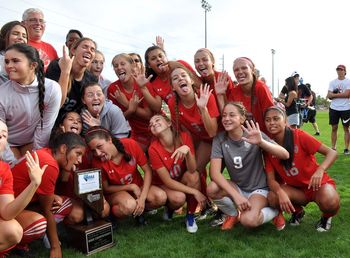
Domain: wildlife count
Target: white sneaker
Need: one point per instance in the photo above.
(191, 224)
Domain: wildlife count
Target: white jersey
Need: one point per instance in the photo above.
(340, 104)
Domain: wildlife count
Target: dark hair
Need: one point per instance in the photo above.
(290, 84)
(288, 141)
(149, 70)
(70, 139)
(102, 133)
(74, 31)
(89, 84)
(5, 33)
(33, 56)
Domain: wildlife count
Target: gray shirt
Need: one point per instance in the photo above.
(243, 161)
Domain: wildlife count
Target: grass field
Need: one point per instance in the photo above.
(170, 239)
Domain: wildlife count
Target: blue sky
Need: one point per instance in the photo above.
(310, 37)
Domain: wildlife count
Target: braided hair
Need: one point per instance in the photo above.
(102, 133)
(33, 56)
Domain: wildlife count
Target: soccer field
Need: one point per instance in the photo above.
(170, 239)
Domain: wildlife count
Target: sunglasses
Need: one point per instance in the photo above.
(340, 69)
(137, 60)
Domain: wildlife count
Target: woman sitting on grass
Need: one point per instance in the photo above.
(244, 196)
(172, 157)
(124, 188)
(304, 180)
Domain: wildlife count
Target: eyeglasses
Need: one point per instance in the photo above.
(137, 60)
(340, 69)
(35, 20)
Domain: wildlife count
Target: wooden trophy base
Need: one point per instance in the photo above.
(92, 238)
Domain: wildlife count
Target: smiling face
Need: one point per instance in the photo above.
(243, 71)
(72, 123)
(232, 119)
(203, 63)
(35, 25)
(157, 61)
(18, 67)
(18, 34)
(181, 82)
(275, 122)
(158, 124)
(94, 99)
(97, 64)
(122, 67)
(102, 148)
(84, 53)
(3, 136)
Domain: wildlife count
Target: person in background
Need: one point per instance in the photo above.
(243, 197)
(16, 224)
(11, 33)
(33, 19)
(72, 36)
(339, 93)
(139, 66)
(37, 100)
(311, 110)
(298, 180)
(96, 68)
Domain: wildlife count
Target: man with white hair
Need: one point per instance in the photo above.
(33, 20)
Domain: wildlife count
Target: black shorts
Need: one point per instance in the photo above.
(311, 115)
(335, 115)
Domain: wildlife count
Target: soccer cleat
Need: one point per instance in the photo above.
(152, 212)
(296, 218)
(317, 134)
(324, 224)
(140, 220)
(191, 224)
(279, 221)
(219, 218)
(346, 152)
(167, 214)
(209, 210)
(229, 222)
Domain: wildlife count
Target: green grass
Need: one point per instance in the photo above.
(170, 239)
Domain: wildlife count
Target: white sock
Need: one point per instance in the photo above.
(268, 214)
(226, 205)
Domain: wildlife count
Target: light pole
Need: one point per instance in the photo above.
(273, 71)
(206, 6)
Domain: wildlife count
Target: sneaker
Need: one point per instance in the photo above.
(296, 218)
(219, 218)
(152, 212)
(191, 224)
(317, 134)
(140, 220)
(324, 224)
(279, 221)
(167, 214)
(229, 222)
(346, 152)
(209, 210)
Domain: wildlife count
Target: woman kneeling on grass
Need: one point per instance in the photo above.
(124, 188)
(244, 196)
(172, 157)
(304, 179)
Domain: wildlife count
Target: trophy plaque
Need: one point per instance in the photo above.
(93, 235)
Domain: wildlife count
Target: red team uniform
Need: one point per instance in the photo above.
(126, 172)
(161, 88)
(46, 51)
(139, 126)
(47, 187)
(6, 179)
(191, 119)
(262, 100)
(304, 164)
(160, 157)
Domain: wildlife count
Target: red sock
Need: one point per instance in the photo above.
(34, 231)
(64, 210)
(191, 204)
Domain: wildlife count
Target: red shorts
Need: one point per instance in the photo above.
(311, 194)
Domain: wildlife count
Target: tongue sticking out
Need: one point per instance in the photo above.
(185, 89)
(96, 108)
(122, 76)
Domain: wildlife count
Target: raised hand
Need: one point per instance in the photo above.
(253, 132)
(180, 153)
(222, 83)
(134, 101)
(205, 92)
(65, 62)
(160, 42)
(35, 172)
(89, 119)
(141, 79)
(120, 97)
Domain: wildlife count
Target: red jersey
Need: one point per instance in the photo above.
(6, 180)
(304, 164)
(161, 88)
(191, 118)
(126, 172)
(46, 51)
(262, 100)
(160, 157)
(48, 182)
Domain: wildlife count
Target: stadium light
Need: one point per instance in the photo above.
(206, 6)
